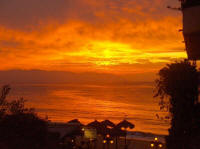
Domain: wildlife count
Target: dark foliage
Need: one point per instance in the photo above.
(177, 87)
(22, 131)
(3, 102)
(21, 128)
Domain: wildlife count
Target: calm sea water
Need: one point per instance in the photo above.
(63, 102)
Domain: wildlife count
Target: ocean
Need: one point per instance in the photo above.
(64, 102)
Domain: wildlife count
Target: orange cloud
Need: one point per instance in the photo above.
(105, 37)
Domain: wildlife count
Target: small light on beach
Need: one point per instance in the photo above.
(152, 145)
(104, 141)
(122, 128)
(107, 136)
(156, 139)
(160, 145)
(111, 141)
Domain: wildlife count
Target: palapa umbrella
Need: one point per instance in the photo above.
(117, 132)
(125, 124)
(97, 125)
(94, 124)
(75, 122)
(100, 127)
(76, 129)
(108, 123)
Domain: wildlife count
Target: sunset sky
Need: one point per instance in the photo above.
(124, 42)
(101, 36)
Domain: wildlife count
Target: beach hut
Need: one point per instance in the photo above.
(191, 27)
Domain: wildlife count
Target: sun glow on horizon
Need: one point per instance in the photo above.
(105, 53)
(109, 53)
